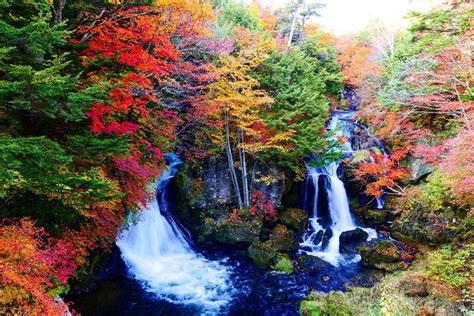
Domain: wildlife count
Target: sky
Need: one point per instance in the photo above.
(351, 16)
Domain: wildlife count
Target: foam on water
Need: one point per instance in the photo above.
(338, 204)
(158, 255)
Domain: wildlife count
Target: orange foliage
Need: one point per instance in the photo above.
(356, 61)
(34, 268)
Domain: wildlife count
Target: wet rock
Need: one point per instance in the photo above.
(376, 217)
(312, 263)
(381, 254)
(349, 240)
(240, 233)
(262, 253)
(318, 237)
(283, 239)
(326, 237)
(294, 218)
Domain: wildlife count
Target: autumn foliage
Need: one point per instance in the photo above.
(35, 268)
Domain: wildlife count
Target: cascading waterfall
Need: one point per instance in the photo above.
(160, 256)
(323, 190)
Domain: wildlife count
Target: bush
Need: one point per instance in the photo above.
(451, 266)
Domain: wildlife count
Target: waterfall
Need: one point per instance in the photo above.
(160, 256)
(327, 203)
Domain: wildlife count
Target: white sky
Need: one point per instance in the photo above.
(351, 16)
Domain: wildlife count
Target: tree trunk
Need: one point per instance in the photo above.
(58, 11)
(230, 160)
(243, 165)
(293, 25)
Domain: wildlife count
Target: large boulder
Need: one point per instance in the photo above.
(242, 233)
(262, 253)
(283, 239)
(294, 218)
(418, 169)
(312, 263)
(381, 254)
(349, 240)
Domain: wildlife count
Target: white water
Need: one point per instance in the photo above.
(338, 204)
(158, 255)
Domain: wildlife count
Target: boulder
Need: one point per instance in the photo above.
(376, 217)
(262, 253)
(313, 263)
(283, 239)
(418, 169)
(240, 233)
(294, 218)
(381, 254)
(349, 240)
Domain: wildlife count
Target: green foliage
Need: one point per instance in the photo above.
(40, 166)
(298, 83)
(234, 15)
(283, 264)
(451, 266)
(357, 301)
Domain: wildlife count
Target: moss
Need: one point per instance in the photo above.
(283, 264)
(376, 216)
(294, 218)
(262, 253)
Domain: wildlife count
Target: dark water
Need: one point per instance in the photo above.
(259, 292)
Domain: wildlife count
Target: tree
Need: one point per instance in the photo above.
(298, 82)
(239, 101)
(35, 269)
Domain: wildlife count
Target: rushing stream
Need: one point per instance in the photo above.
(157, 254)
(157, 270)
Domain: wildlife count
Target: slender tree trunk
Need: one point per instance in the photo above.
(293, 25)
(58, 11)
(230, 160)
(243, 165)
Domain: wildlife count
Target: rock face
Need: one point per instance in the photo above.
(238, 234)
(294, 218)
(381, 254)
(349, 240)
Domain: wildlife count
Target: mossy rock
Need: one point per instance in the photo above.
(381, 254)
(283, 264)
(376, 217)
(294, 218)
(283, 239)
(240, 233)
(262, 253)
